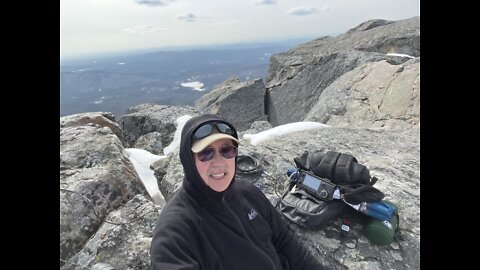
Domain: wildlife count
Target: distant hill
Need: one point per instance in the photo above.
(117, 82)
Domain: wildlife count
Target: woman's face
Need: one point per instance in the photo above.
(218, 172)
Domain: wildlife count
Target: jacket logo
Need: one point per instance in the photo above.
(252, 214)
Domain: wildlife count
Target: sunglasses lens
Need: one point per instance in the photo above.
(206, 154)
(207, 129)
(203, 131)
(228, 152)
(223, 128)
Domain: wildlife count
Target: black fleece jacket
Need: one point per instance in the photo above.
(238, 228)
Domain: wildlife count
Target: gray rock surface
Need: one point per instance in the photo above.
(96, 177)
(152, 142)
(145, 118)
(122, 241)
(240, 103)
(298, 77)
(101, 119)
(374, 94)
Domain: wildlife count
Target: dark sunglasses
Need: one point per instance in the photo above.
(207, 129)
(208, 153)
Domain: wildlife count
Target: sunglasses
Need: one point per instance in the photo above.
(207, 129)
(207, 154)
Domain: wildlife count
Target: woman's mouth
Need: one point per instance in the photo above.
(218, 175)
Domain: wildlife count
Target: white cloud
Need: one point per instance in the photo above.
(144, 30)
(301, 11)
(265, 2)
(187, 17)
(153, 3)
(93, 27)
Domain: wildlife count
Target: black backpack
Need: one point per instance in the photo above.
(340, 168)
(343, 170)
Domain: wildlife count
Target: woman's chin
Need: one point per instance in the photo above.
(219, 184)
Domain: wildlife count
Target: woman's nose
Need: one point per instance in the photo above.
(217, 157)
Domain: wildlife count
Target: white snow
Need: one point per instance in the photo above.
(196, 85)
(401, 55)
(175, 144)
(277, 131)
(141, 160)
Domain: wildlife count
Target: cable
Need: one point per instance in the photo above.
(248, 165)
(276, 183)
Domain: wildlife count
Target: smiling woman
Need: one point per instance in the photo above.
(215, 221)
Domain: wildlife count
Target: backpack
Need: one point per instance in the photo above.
(303, 209)
(342, 170)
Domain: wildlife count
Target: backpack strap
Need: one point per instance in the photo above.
(326, 168)
(398, 235)
(373, 180)
(342, 168)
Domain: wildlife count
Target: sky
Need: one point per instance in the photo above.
(142, 159)
(93, 27)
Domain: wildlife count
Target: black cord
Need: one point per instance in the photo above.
(248, 165)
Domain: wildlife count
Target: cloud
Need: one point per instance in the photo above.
(326, 8)
(265, 2)
(301, 11)
(187, 17)
(226, 22)
(144, 30)
(153, 3)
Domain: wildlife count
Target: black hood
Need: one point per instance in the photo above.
(192, 181)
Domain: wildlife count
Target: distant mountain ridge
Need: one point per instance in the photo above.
(115, 83)
(227, 46)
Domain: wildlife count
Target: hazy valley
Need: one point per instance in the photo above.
(115, 83)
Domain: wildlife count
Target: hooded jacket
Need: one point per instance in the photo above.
(238, 228)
